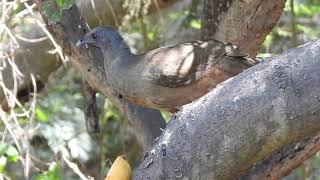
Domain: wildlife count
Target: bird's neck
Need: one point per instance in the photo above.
(117, 53)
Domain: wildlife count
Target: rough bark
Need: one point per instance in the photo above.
(90, 109)
(224, 20)
(272, 104)
(243, 23)
(282, 162)
(146, 123)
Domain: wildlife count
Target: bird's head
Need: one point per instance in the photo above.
(102, 37)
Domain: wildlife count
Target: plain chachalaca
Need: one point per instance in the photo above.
(168, 77)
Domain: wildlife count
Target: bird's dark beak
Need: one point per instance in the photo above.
(82, 41)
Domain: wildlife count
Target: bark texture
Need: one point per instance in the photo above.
(243, 23)
(145, 122)
(90, 109)
(282, 162)
(272, 104)
(224, 20)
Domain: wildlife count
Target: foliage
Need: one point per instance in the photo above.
(53, 9)
(306, 26)
(8, 154)
(51, 174)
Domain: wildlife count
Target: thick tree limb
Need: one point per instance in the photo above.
(243, 23)
(222, 19)
(219, 136)
(281, 163)
(145, 122)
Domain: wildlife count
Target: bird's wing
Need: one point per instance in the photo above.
(184, 64)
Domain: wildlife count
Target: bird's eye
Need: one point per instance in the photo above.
(94, 36)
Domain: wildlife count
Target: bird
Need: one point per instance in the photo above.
(168, 77)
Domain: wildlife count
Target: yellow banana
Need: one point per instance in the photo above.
(120, 170)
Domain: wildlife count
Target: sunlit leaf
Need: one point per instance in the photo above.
(9, 151)
(3, 162)
(196, 24)
(268, 41)
(12, 154)
(51, 174)
(3, 148)
(151, 35)
(306, 10)
(173, 15)
(67, 4)
(41, 115)
(59, 2)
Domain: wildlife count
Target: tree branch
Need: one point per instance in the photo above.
(222, 19)
(270, 105)
(243, 23)
(282, 162)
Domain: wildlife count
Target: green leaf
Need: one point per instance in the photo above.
(51, 174)
(308, 31)
(3, 148)
(12, 154)
(3, 162)
(59, 2)
(306, 10)
(67, 4)
(51, 12)
(151, 35)
(268, 41)
(53, 9)
(196, 24)
(10, 151)
(173, 15)
(166, 116)
(41, 115)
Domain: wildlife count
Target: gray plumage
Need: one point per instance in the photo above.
(167, 77)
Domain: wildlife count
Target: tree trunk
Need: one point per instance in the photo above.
(243, 23)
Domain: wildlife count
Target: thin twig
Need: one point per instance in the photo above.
(8, 126)
(31, 40)
(43, 27)
(96, 12)
(10, 34)
(113, 13)
(75, 169)
(33, 106)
